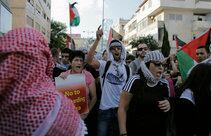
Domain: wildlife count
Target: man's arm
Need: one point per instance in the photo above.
(95, 63)
(92, 91)
(122, 111)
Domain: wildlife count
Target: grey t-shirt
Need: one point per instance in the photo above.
(135, 65)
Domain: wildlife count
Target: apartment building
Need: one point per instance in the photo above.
(119, 27)
(186, 19)
(5, 17)
(32, 13)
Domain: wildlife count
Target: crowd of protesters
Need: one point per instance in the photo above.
(127, 95)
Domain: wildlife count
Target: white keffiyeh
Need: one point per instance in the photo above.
(151, 56)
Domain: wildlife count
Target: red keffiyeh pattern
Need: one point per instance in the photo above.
(27, 93)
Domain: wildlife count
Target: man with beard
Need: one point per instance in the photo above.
(142, 49)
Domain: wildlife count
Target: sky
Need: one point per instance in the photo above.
(91, 12)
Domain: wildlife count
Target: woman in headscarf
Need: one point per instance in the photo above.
(29, 103)
(144, 101)
(193, 109)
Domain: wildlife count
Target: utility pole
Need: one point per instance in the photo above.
(102, 27)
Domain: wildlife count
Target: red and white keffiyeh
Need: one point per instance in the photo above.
(29, 103)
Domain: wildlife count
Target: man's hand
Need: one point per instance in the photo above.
(99, 33)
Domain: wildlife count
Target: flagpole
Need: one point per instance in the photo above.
(102, 26)
(71, 39)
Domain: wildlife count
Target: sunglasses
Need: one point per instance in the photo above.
(116, 47)
(140, 49)
(157, 63)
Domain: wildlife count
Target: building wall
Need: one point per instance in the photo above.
(130, 30)
(120, 26)
(185, 18)
(179, 23)
(32, 13)
(5, 17)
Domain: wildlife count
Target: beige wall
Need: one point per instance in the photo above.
(25, 14)
(18, 13)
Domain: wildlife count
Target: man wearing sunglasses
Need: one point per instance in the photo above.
(142, 49)
(112, 82)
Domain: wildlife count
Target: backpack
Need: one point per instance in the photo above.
(108, 63)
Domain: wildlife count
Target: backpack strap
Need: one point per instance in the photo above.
(128, 72)
(108, 63)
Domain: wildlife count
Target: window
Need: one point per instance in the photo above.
(43, 30)
(175, 17)
(171, 16)
(48, 20)
(48, 5)
(179, 17)
(44, 15)
(37, 26)
(31, 2)
(48, 34)
(143, 8)
(38, 9)
(30, 21)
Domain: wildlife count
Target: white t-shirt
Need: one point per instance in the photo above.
(188, 94)
(115, 80)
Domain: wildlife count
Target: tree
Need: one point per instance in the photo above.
(149, 41)
(58, 35)
(165, 49)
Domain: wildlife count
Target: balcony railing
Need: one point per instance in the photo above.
(151, 27)
(203, 4)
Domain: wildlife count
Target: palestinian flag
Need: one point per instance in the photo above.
(179, 42)
(74, 16)
(114, 35)
(187, 55)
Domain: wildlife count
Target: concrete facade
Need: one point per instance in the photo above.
(119, 28)
(187, 19)
(32, 13)
(5, 17)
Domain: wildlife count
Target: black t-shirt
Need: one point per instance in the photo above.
(92, 70)
(143, 116)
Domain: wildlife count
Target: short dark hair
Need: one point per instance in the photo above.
(201, 47)
(54, 52)
(130, 57)
(76, 53)
(66, 50)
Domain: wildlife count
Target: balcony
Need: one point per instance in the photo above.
(151, 29)
(177, 4)
(201, 25)
(203, 4)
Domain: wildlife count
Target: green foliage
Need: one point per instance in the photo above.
(165, 49)
(149, 40)
(58, 35)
